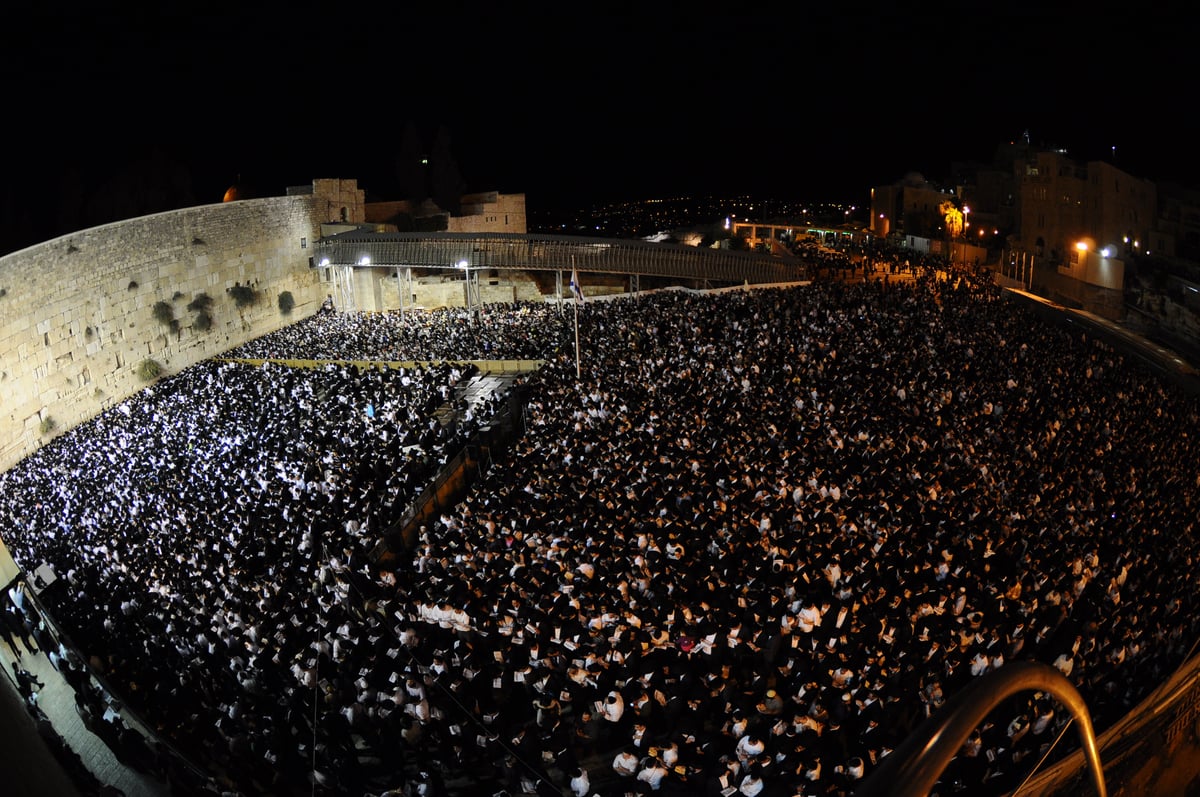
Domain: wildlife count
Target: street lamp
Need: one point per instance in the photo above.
(965, 240)
(466, 268)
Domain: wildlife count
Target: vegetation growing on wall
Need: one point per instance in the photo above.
(149, 370)
(201, 305)
(163, 313)
(286, 302)
(200, 302)
(243, 295)
(47, 426)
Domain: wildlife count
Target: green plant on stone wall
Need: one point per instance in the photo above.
(243, 295)
(149, 370)
(286, 302)
(163, 312)
(201, 305)
(47, 425)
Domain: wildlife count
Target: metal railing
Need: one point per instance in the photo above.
(503, 251)
(915, 766)
(184, 762)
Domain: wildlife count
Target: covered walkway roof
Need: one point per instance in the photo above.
(550, 253)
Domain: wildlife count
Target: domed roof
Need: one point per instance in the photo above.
(233, 193)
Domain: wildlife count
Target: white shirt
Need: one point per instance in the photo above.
(580, 785)
(612, 711)
(653, 774)
(746, 748)
(625, 764)
(750, 786)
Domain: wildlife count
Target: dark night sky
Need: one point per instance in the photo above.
(589, 102)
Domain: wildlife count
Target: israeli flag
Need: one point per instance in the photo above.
(575, 288)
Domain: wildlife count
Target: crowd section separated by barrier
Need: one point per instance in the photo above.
(764, 536)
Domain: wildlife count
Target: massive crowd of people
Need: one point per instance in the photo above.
(516, 331)
(765, 535)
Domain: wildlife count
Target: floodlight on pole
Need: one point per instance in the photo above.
(466, 269)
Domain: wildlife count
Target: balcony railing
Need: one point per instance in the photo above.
(915, 766)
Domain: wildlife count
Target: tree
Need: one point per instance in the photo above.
(953, 218)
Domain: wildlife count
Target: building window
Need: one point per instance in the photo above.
(304, 243)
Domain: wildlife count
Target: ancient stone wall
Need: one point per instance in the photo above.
(78, 314)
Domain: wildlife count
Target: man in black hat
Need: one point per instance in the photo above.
(26, 681)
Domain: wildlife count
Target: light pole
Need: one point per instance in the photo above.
(966, 224)
(466, 268)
